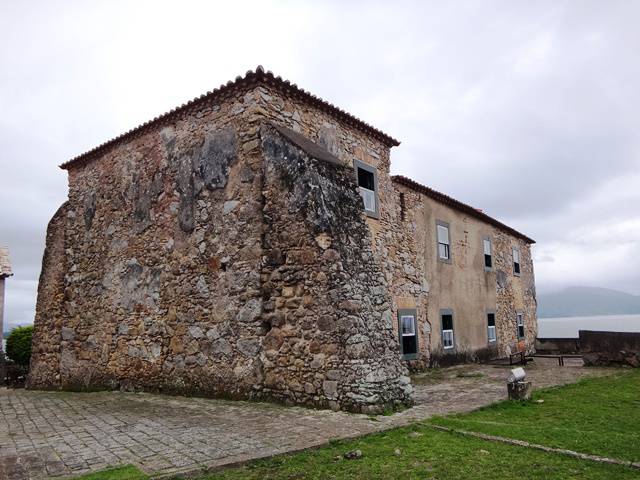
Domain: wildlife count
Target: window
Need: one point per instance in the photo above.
(516, 261)
(444, 244)
(368, 184)
(408, 335)
(486, 247)
(446, 317)
(491, 327)
(520, 323)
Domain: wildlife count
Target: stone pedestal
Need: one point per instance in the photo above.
(519, 390)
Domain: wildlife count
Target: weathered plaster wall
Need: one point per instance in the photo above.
(463, 285)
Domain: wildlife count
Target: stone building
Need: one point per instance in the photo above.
(5, 272)
(253, 244)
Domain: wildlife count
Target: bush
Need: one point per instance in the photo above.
(19, 345)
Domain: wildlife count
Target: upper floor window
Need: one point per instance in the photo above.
(367, 178)
(491, 327)
(446, 318)
(444, 243)
(516, 261)
(520, 324)
(486, 247)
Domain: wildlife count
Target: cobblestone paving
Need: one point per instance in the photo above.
(53, 434)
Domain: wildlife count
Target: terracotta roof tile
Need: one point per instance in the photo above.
(462, 207)
(251, 78)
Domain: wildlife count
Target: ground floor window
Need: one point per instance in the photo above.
(446, 318)
(491, 327)
(408, 333)
(520, 323)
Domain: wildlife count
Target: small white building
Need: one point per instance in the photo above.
(5, 271)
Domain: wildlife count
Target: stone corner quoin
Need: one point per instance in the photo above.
(223, 250)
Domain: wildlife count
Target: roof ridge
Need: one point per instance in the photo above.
(250, 78)
(458, 205)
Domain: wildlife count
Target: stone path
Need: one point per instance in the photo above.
(49, 434)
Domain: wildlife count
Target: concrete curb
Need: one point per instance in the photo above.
(535, 446)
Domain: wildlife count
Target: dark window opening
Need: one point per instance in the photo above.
(491, 327)
(447, 330)
(402, 206)
(486, 246)
(408, 334)
(366, 179)
(516, 261)
(520, 322)
(367, 184)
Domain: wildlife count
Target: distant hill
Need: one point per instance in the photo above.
(587, 301)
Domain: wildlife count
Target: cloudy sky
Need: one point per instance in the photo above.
(529, 110)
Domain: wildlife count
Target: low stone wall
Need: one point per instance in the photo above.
(557, 345)
(610, 348)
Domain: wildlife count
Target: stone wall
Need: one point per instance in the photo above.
(402, 249)
(557, 345)
(514, 294)
(153, 276)
(609, 348)
(50, 309)
(212, 254)
(162, 248)
(331, 339)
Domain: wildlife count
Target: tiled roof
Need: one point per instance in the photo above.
(251, 78)
(462, 207)
(5, 265)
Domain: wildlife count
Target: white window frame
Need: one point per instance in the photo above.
(413, 325)
(515, 252)
(447, 244)
(487, 241)
(447, 340)
(367, 194)
(369, 199)
(413, 315)
(447, 335)
(520, 324)
(492, 333)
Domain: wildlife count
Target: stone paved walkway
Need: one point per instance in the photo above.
(48, 434)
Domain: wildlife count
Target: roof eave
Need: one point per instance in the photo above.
(251, 78)
(460, 206)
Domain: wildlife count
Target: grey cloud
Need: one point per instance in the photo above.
(527, 110)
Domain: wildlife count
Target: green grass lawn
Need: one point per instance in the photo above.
(600, 416)
(122, 473)
(432, 455)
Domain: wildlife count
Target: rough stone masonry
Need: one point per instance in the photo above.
(222, 249)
